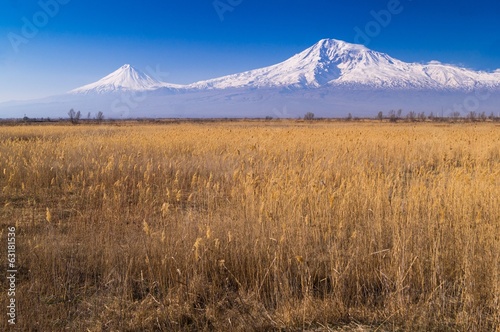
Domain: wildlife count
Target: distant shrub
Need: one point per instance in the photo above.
(309, 116)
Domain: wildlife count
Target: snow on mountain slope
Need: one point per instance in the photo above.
(331, 78)
(311, 68)
(334, 62)
(126, 78)
(329, 62)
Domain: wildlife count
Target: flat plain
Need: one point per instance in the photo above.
(253, 226)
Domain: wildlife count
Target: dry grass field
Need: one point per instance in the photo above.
(253, 226)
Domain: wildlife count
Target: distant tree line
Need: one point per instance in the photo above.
(395, 116)
(76, 116)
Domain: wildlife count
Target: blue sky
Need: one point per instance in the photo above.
(77, 42)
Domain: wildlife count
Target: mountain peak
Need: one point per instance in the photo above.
(320, 64)
(125, 78)
(339, 44)
(332, 62)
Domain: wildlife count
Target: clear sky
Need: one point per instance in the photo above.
(48, 47)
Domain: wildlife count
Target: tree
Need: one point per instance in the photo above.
(380, 116)
(483, 116)
(309, 116)
(99, 117)
(349, 117)
(392, 116)
(455, 115)
(472, 116)
(412, 116)
(74, 116)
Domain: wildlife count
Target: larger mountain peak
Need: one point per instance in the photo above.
(332, 62)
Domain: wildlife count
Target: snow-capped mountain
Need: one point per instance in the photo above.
(331, 78)
(328, 63)
(333, 62)
(125, 78)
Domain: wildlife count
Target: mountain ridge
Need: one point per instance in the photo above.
(330, 78)
(329, 62)
(338, 63)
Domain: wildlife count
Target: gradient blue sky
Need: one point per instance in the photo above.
(86, 40)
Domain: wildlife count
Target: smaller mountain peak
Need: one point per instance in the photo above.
(126, 78)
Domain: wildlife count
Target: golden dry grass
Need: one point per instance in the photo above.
(254, 226)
